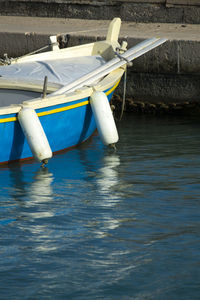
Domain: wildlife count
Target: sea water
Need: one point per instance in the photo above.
(103, 224)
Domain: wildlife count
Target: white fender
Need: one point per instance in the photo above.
(104, 118)
(34, 134)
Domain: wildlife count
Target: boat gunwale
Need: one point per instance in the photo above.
(74, 51)
(108, 83)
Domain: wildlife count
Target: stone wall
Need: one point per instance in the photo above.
(171, 11)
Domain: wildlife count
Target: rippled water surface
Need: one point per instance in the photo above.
(98, 224)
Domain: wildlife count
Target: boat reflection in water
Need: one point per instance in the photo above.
(107, 180)
(41, 188)
(32, 186)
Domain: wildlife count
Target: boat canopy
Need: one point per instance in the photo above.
(59, 71)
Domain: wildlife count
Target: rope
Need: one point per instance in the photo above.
(113, 146)
(8, 61)
(33, 52)
(129, 63)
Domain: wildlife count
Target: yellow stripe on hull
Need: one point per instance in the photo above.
(57, 110)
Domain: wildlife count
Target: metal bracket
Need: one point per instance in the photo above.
(129, 63)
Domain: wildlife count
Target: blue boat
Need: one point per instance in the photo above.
(54, 100)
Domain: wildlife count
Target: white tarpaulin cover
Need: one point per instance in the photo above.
(62, 71)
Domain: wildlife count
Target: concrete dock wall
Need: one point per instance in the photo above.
(165, 11)
(167, 78)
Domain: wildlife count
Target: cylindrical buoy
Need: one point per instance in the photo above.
(34, 134)
(104, 118)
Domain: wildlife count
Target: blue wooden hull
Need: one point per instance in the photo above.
(66, 125)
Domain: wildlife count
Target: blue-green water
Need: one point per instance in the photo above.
(98, 224)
